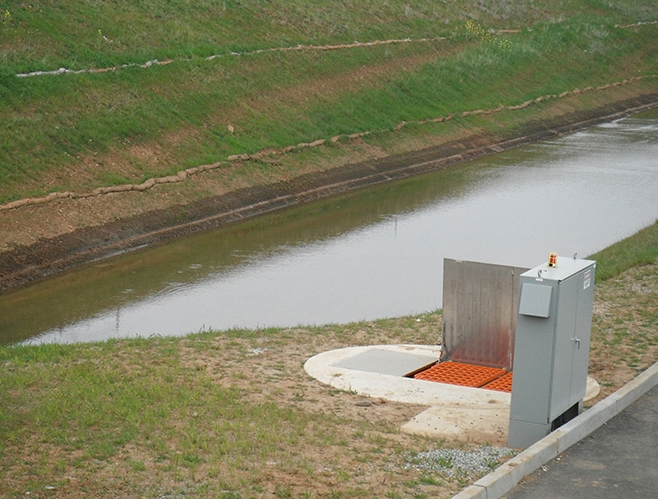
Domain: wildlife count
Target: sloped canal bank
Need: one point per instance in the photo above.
(373, 253)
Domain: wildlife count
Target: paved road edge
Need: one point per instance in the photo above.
(503, 479)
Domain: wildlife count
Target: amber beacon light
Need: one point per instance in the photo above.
(552, 260)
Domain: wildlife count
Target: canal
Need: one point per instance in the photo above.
(370, 254)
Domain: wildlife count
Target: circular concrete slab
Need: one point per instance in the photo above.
(455, 412)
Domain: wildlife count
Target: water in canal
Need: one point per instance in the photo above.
(373, 253)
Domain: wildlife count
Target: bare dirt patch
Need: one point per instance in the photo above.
(355, 80)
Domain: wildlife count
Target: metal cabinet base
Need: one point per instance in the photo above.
(522, 434)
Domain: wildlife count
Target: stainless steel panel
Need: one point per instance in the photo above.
(480, 304)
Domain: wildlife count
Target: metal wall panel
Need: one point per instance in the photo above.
(480, 304)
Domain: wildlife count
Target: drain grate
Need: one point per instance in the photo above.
(456, 373)
(502, 384)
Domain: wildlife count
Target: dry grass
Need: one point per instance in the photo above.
(625, 327)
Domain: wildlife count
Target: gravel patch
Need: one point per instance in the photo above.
(457, 463)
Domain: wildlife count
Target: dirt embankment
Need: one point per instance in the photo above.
(22, 263)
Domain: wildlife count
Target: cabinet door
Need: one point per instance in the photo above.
(565, 329)
(580, 363)
(533, 352)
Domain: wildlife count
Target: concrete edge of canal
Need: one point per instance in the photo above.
(50, 256)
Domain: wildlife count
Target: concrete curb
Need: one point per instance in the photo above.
(505, 478)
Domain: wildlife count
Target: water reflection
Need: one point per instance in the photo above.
(370, 254)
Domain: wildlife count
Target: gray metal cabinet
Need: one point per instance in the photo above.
(551, 352)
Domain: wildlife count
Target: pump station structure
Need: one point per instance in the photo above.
(535, 323)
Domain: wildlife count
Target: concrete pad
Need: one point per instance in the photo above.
(395, 363)
(593, 389)
(480, 425)
(325, 368)
(455, 412)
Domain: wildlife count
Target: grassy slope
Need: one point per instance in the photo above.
(78, 132)
(640, 249)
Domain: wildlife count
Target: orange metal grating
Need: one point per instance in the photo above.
(502, 384)
(456, 373)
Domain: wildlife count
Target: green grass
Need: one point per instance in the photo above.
(184, 414)
(91, 124)
(43, 35)
(456, 83)
(636, 250)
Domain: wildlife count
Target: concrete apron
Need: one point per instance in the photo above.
(454, 412)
